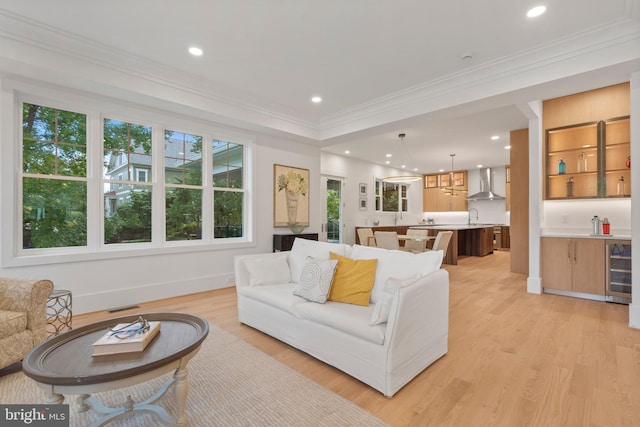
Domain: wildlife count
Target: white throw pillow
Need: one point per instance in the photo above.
(304, 251)
(392, 263)
(315, 280)
(265, 271)
(382, 308)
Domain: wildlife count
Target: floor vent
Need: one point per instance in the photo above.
(123, 308)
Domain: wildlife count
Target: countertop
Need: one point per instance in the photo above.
(588, 236)
(451, 226)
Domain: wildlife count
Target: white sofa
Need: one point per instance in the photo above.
(387, 355)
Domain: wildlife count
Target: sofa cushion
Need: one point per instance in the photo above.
(353, 280)
(12, 322)
(392, 263)
(382, 308)
(304, 250)
(264, 271)
(279, 296)
(315, 280)
(348, 318)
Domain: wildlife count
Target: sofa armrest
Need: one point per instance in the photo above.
(240, 270)
(419, 312)
(29, 296)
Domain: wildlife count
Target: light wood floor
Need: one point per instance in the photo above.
(514, 359)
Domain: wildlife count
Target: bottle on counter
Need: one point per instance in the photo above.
(562, 167)
(606, 227)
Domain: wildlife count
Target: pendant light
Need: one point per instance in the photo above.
(401, 179)
(450, 190)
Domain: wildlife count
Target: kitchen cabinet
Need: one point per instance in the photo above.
(476, 241)
(434, 197)
(589, 160)
(573, 264)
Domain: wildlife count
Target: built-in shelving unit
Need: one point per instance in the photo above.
(589, 160)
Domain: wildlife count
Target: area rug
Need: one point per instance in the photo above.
(231, 383)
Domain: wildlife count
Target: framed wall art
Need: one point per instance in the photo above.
(363, 203)
(363, 189)
(290, 196)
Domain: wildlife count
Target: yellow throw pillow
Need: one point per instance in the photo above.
(353, 280)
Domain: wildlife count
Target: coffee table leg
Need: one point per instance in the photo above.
(180, 391)
(54, 398)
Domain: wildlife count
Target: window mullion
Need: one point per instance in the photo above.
(158, 214)
(207, 188)
(95, 191)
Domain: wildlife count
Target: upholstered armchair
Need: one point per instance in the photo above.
(23, 319)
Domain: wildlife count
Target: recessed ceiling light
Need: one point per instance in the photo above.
(415, 169)
(507, 147)
(403, 166)
(495, 137)
(441, 170)
(536, 11)
(347, 152)
(479, 166)
(316, 99)
(387, 162)
(195, 51)
(388, 155)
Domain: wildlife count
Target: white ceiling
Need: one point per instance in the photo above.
(382, 67)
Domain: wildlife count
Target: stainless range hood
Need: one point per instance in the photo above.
(486, 187)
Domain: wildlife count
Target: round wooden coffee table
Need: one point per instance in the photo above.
(65, 365)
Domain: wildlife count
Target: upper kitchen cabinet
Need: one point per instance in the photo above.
(445, 192)
(589, 160)
(587, 144)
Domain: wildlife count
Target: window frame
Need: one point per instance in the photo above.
(379, 183)
(15, 93)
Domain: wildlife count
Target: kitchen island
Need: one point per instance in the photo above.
(467, 239)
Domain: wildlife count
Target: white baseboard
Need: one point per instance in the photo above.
(118, 297)
(534, 285)
(634, 315)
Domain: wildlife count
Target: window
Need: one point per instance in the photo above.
(54, 177)
(228, 193)
(142, 175)
(130, 222)
(151, 192)
(391, 197)
(183, 191)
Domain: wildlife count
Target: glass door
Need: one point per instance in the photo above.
(332, 204)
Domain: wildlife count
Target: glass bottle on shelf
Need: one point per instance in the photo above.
(582, 162)
(570, 187)
(562, 167)
(621, 186)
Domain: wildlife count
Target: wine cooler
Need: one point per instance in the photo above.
(618, 264)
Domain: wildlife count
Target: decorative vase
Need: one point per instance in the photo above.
(296, 228)
(292, 207)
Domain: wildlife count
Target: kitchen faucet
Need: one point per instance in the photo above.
(469, 219)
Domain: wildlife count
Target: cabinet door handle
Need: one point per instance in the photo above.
(575, 249)
(568, 251)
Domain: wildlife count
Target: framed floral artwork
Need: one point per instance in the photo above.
(290, 196)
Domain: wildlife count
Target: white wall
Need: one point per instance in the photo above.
(129, 278)
(357, 171)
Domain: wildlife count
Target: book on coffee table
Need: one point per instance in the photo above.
(127, 339)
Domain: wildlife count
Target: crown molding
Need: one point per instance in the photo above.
(609, 44)
(98, 67)
(34, 43)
